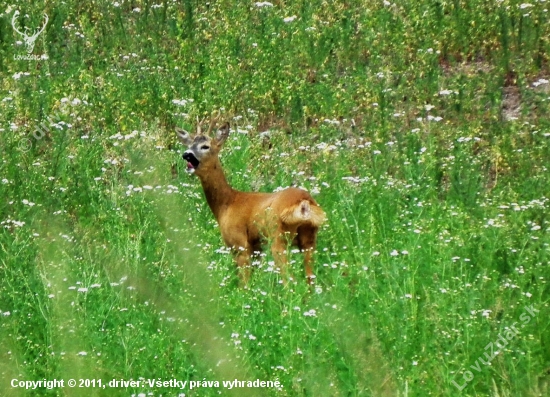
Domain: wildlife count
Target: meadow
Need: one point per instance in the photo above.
(421, 128)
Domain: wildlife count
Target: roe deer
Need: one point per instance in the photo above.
(247, 220)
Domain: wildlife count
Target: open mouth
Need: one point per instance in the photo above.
(192, 162)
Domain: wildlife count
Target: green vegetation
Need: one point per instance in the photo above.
(421, 127)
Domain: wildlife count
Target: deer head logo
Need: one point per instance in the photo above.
(28, 38)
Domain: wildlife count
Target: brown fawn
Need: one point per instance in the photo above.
(248, 219)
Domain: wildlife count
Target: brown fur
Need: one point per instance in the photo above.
(246, 219)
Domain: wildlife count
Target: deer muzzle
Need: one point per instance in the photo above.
(192, 161)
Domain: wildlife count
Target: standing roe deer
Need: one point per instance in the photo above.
(246, 219)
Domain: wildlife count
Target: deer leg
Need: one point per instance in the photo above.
(242, 258)
(307, 236)
(278, 249)
(308, 266)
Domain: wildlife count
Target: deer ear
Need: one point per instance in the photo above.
(222, 134)
(184, 136)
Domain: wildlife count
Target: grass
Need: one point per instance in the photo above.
(421, 128)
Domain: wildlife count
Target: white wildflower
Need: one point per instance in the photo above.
(540, 82)
(311, 313)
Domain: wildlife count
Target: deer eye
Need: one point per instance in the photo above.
(205, 147)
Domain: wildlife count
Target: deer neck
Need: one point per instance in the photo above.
(216, 189)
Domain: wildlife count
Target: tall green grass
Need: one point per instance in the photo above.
(420, 127)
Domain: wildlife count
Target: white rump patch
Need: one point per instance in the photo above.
(303, 213)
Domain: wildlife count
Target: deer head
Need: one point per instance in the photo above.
(28, 39)
(202, 149)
